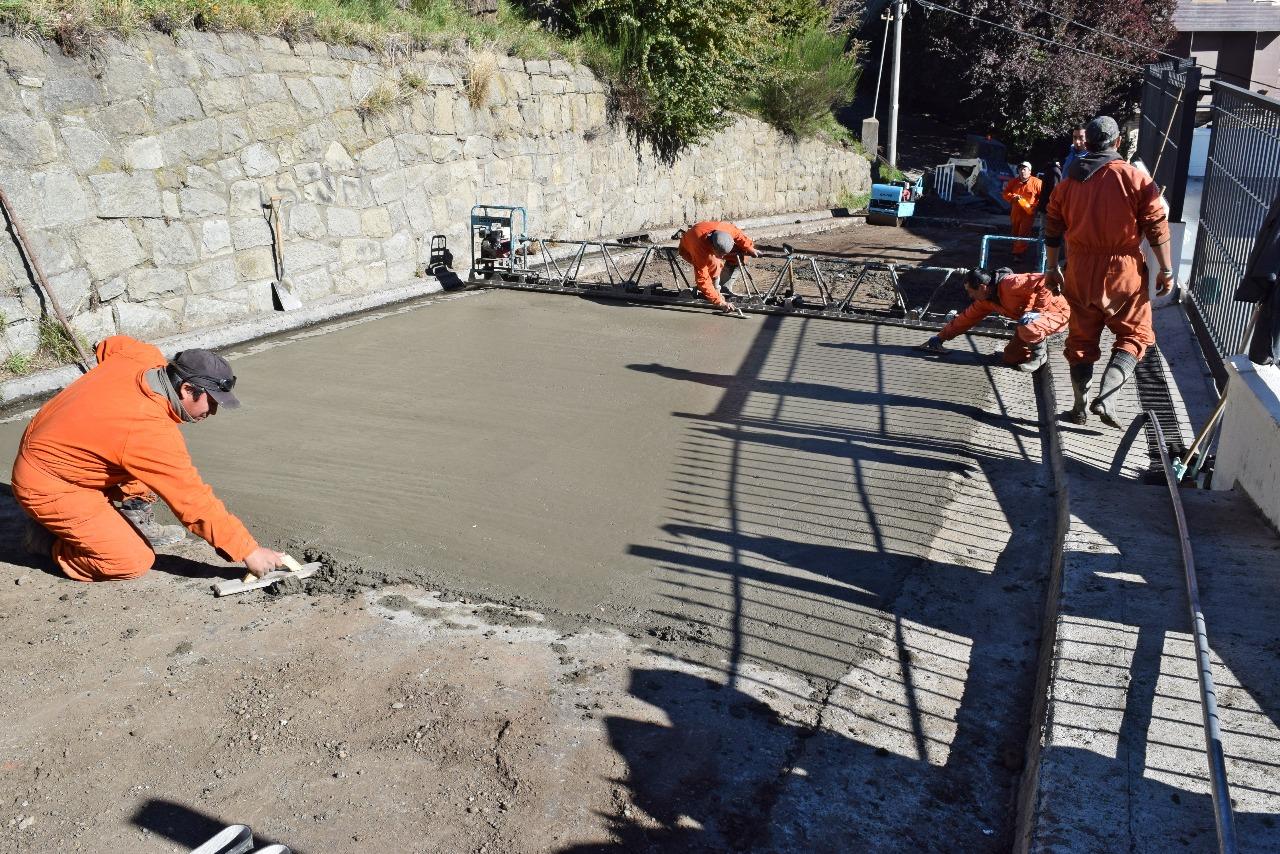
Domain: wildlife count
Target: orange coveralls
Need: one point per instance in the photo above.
(1014, 296)
(108, 435)
(695, 249)
(1023, 196)
(1103, 221)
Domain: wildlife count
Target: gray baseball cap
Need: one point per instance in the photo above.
(1101, 132)
(721, 241)
(208, 371)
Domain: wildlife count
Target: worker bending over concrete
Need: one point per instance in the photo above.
(1103, 208)
(713, 249)
(1022, 297)
(112, 436)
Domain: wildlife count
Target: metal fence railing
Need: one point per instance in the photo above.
(944, 181)
(1169, 94)
(1242, 177)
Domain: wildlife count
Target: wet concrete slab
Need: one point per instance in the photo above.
(601, 461)
(834, 543)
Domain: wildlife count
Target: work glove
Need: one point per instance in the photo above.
(1028, 317)
(934, 343)
(1053, 281)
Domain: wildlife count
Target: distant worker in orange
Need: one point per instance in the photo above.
(112, 437)
(712, 248)
(1103, 208)
(1022, 192)
(1023, 297)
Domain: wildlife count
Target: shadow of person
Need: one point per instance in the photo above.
(707, 779)
(728, 773)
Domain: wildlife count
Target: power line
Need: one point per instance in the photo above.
(1076, 23)
(1115, 37)
(929, 5)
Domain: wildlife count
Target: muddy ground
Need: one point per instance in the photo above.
(601, 578)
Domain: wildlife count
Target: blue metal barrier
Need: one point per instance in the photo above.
(986, 247)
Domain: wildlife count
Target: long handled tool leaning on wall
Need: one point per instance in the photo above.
(33, 264)
(282, 289)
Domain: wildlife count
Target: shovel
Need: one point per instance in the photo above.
(282, 289)
(252, 582)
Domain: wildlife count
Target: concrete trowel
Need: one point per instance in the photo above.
(252, 582)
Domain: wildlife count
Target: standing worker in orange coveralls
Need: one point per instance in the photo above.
(706, 246)
(1104, 207)
(1022, 192)
(1023, 297)
(114, 433)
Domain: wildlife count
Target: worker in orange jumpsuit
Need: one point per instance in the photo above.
(1103, 208)
(1023, 297)
(114, 433)
(1022, 192)
(712, 248)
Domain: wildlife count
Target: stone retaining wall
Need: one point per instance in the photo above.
(140, 177)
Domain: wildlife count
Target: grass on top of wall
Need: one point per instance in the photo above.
(388, 26)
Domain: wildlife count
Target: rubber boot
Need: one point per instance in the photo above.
(37, 540)
(1119, 369)
(142, 516)
(1081, 378)
(1039, 355)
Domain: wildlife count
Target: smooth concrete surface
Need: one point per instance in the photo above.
(1121, 763)
(785, 502)
(1249, 446)
(224, 335)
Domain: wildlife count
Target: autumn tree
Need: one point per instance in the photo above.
(1023, 88)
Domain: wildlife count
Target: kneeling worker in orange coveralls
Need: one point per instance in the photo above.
(113, 435)
(1023, 297)
(706, 246)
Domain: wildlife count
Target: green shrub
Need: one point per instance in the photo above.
(19, 363)
(887, 172)
(55, 342)
(810, 74)
(852, 201)
(675, 63)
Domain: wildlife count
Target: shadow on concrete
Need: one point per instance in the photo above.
(806, 537)
(802, 512)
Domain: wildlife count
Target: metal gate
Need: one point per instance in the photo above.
(1169, 94)
(1242, 178)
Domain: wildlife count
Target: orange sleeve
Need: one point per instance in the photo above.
(706, 267)
(742, 242)
(1041, 299)
(966, 320)
(1150, 214)
(157, 455)
(1054, 225)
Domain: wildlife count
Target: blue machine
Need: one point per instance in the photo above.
(894, 201)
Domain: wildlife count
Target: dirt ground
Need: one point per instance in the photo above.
(599, 578)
